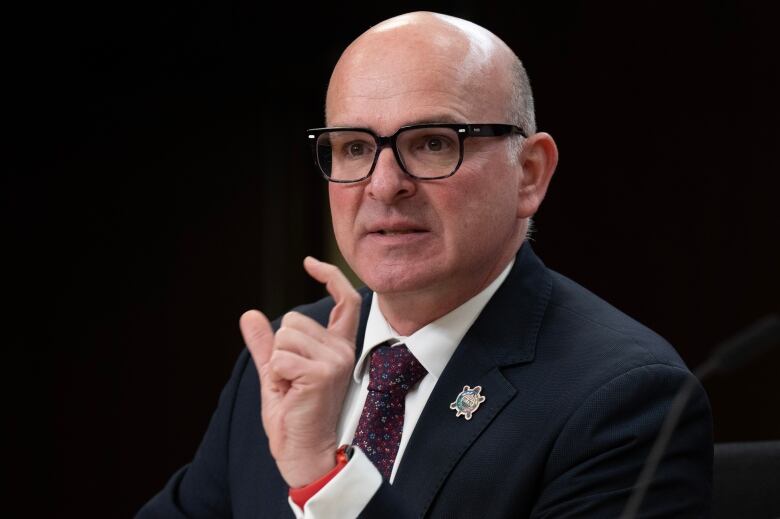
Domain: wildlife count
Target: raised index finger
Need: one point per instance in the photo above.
(345, 314)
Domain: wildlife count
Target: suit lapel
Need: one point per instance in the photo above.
(504, 334)
(365, 308)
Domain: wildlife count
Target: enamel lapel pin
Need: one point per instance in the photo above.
(467, 402)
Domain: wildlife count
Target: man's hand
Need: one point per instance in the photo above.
(304, 374)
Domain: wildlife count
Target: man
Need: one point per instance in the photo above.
(472, 380)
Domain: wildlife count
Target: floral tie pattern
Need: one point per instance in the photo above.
(393, 371)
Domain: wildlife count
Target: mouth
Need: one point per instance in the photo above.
(394, 232)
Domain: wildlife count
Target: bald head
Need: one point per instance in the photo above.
(442, 48)
(468, 44)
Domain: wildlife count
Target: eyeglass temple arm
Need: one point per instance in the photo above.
(493, 130)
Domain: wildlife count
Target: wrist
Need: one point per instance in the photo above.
(305, 466)
(302, 494)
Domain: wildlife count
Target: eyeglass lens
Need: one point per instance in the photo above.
(425, 152)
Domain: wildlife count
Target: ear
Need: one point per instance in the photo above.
(538, 158)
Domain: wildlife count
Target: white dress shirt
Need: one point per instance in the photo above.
(352, 488)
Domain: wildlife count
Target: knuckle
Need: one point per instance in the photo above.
(329, 370)
(280, 356)
(290, 317)
(353, 298)
(344, 365)
(283, 335)
(273, 363)
(341, 357)
(344, 350)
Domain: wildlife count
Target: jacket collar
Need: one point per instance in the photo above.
(507, 329)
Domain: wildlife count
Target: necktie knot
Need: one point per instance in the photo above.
(393, 369)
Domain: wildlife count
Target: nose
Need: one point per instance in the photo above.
(388, 183)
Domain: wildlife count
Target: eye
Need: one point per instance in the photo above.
(433, 143)
(356, 149)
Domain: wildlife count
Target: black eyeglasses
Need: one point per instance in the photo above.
(424, 151)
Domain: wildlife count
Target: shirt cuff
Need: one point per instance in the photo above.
(346, 495)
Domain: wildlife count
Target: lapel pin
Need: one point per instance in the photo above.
(467, 402)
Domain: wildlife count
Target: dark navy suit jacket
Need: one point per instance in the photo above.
(576, 392)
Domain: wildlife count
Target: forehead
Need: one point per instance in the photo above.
(390, 81)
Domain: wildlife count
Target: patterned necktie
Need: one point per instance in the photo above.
(393, 372)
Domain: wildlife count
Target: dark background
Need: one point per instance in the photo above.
(159, 185)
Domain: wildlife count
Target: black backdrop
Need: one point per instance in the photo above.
(159, 185)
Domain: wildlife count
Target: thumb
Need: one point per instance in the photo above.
(258, 336)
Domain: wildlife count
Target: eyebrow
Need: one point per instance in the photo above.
(434, 120)
(421, 120)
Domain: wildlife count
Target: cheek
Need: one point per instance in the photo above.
(342, 197)
(341, 212)
(485, 209)
(345, 202)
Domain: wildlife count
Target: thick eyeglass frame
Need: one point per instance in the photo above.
(462, 130)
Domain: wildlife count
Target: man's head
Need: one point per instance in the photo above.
(441, 239)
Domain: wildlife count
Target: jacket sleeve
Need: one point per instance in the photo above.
(200, 489)
(596, 459)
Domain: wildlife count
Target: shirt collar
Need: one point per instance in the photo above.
(433, 344)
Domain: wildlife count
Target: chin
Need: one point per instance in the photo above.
(397, 278)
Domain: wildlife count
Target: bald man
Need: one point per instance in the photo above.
(466, 379)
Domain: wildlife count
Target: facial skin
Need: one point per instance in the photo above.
(425, 247)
